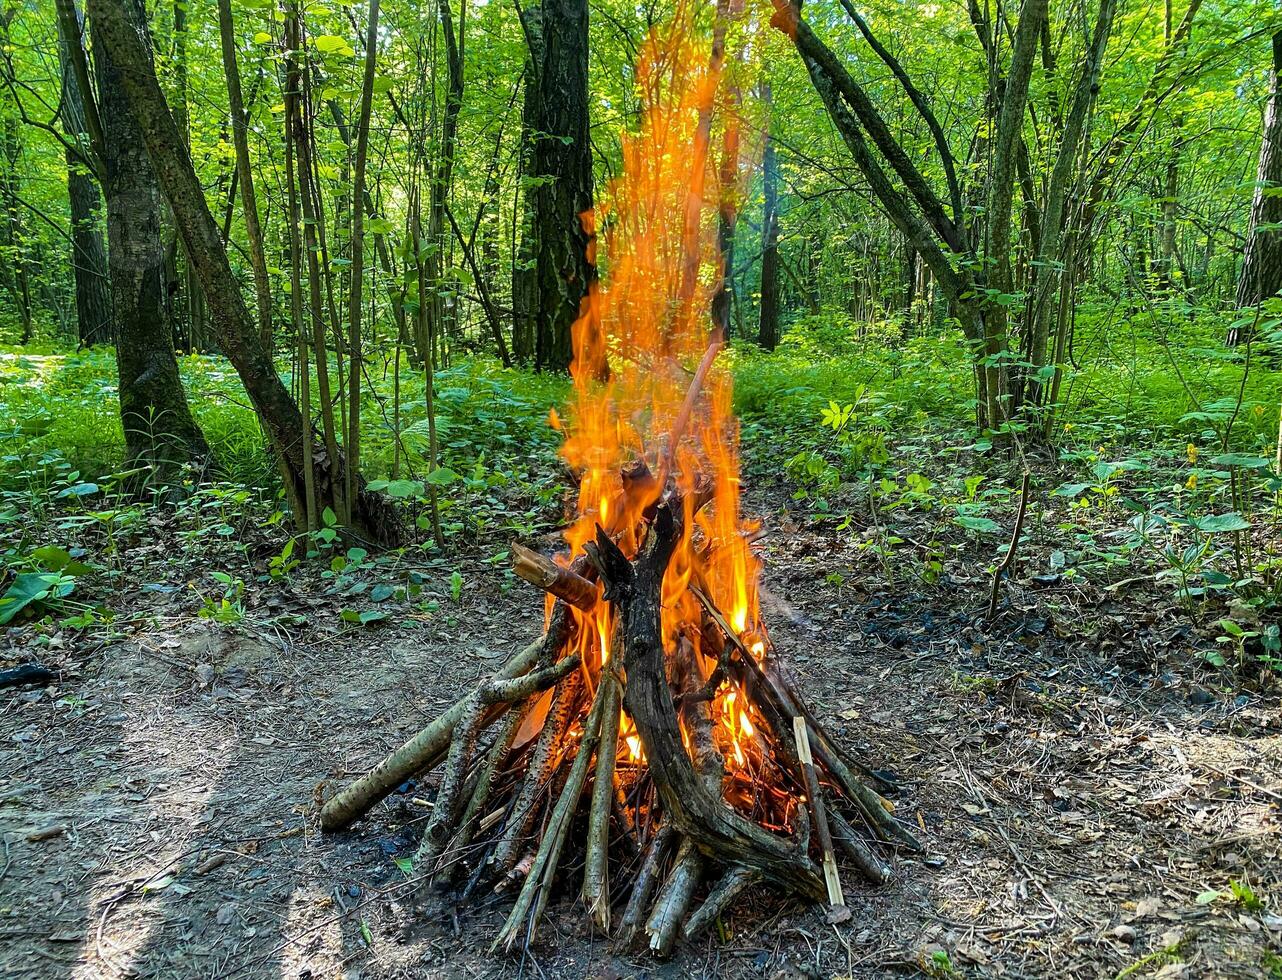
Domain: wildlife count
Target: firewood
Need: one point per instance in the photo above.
(486, 777)
(643, 886)
(501, 689)
(421, 751)
(674, 899)
(551, 577)
(596, 878)
(819, 813)
(534, 894)
(445, 808)
(726, 890)
(696, 811)
(542, 765)
(848, 840)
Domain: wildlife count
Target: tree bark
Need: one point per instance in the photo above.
(286, 428)
(88, 250)
(768, 324)
(244, 174)
(158, 424)
(197, 335)
(1262, 260)
(560, 164)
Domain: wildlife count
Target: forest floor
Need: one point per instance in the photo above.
(1096, 802)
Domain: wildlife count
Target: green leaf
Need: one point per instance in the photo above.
(405, 488)
(29, 588)
(57, 559)
(1071, 489)
(331, 44)
(1220, 523)
(79, 490)
(981, 524)
(405, 864)
(382, 592)
(1243, 460)
(442, 477)
(371, 616)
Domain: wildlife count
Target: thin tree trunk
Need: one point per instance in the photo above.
(88, 250)
(245, 176)
(354, 355)
(768, 325)
(197, 339)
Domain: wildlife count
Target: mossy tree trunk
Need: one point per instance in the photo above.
(159, 428)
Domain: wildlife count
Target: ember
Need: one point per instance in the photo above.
(654, 707)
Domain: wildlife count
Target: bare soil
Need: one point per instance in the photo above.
(1087, 791)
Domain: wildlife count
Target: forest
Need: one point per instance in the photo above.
(711, 488)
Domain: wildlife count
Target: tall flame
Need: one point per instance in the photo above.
(640, 393)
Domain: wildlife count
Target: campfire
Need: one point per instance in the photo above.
(650, 750)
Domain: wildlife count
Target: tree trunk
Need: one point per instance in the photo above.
(88, 250)
(244, 174)
(768, 325)
(197, 339)
(561, 164)
(1262, 260)
(233, 327)
(525, 286)
(158, 424)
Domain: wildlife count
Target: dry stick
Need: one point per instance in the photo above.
(502, 689)
(457, 764)
(674, 900)
(831, 879)
(542, 765)
(551, 577)
(643, 886)
(596, 878)
(725, 891)
(487, 776)
(422, 751)
(538, 883)
(825, 743)
(865, 860)
(1001, 569)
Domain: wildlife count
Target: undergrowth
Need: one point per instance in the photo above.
(1163, 465)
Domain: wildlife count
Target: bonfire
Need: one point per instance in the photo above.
(650, 749)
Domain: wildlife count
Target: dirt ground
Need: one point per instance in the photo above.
(1086, 792)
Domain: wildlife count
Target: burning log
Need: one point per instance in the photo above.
(551, 577)
(711, 755)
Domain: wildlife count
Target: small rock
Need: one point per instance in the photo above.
(226, 914)
(1200, 695)
(1125, 933)
(205, 675)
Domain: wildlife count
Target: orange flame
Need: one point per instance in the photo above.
(638, 344)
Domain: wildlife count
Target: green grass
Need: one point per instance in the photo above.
(1155, 379)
